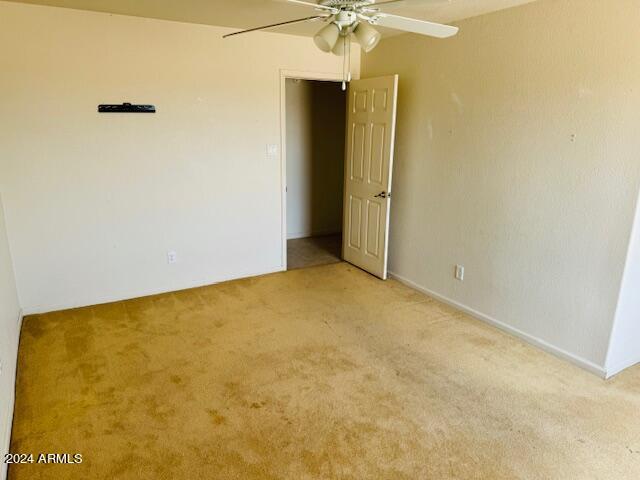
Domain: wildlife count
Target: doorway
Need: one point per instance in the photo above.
(315, 148)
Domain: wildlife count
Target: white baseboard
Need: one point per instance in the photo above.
(146, 293)
(6, 438)
(618, 368)
(547, 347)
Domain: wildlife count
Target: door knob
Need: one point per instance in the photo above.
(383, 195)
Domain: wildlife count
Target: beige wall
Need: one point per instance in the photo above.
(517, 156)
(9, 319)
(315, 157)
(95, 202)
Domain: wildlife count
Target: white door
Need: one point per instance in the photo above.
(371, 124)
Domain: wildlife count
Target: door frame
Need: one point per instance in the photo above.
(300, 75)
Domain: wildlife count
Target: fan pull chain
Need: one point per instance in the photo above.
(349, 50)
(344, 64)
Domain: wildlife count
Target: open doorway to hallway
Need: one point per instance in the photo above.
(315, 146)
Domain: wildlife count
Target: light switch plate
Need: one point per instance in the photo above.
(272, 150)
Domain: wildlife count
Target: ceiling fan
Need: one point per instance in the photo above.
(357, 18)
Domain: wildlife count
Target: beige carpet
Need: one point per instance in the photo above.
(322, 373)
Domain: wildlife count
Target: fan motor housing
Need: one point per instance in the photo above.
(345, 3)
(345, 19)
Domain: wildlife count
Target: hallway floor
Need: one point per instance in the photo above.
(314, 251)
(319, 373)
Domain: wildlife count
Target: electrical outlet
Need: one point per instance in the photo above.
(460, 273)
(172, 257)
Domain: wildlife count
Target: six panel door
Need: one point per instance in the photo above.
(371, 121)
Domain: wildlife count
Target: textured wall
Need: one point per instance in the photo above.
(95, 202)
(517, 156)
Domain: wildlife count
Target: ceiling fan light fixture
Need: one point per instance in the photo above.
(367, 36)
(327, 38)
(341, 46)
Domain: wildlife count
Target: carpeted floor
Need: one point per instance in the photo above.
(321, 373)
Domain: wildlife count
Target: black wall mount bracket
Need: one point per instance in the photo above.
(126, 108)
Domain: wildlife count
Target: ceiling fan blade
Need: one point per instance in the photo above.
(299, 20)
(376, 4)
(415, 26)
(379, 3)
(314, 5)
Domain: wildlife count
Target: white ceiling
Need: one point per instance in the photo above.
(252, 13)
